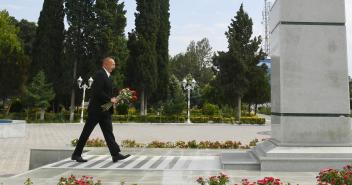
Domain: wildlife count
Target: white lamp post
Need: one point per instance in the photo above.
(84, 87)
(188, 84)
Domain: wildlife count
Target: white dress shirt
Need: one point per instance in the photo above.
(107, 72)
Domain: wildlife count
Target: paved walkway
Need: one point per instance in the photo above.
(14, 152)
(151, 167)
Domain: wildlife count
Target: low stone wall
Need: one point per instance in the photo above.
(41, 157)
(12, 128)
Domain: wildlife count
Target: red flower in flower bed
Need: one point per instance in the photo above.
(335, 177)
(269, 181)
(84, 180)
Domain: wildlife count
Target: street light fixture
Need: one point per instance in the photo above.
(188, 84)
(84, 87)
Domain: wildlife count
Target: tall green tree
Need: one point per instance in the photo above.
(176, 101)
(13, 61)
(234, 64)
(80, 43)
(49, 43)
(259, 89)
(197, 61)
(39, 93)
(27, 33)
(144, 76)
(162, 49)
(110, 37)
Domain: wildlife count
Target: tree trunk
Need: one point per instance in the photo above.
(256, 108)
(8, 107)
(142, 102)
(249, 109)
(42, 112)
(73, 94)
(146, 106)
(239, 109)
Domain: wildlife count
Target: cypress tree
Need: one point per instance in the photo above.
(145, 60)
(162, 49)
(80, 43)
(110, 37)
(235, 64)
(48, 44)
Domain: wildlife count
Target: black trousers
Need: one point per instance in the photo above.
(106, 126)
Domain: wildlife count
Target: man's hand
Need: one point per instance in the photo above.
(113, 100)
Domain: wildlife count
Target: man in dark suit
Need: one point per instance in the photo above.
(101, 94)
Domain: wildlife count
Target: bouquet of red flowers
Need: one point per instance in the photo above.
(125, 96)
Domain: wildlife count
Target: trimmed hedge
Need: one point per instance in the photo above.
(182, 119)
(49, 117)
(252, 120)
(64, 117)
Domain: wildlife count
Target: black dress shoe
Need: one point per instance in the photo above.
(119, 157)
(78, 159)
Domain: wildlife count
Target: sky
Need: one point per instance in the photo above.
(190, 19)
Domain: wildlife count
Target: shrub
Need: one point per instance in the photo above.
(210, 109)
(173, 107)
(122, 109)
(16, 106)
(32, 116)
(121, 118)
(253, 142)
(180, 144)
(227, 111)
(153, 119)
(27, 182)
(131, 144)
(196, 112)
(132, 111)
(252, 120)
(200, 119)
(192, 144)
(265, 110)
(175, 99)
(156, 144)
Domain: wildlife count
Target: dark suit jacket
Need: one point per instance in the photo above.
(101, 93)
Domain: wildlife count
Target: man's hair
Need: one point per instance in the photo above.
(106, 59)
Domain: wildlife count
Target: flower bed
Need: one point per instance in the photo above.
(72, 180)
(84, 180)
(335, 177)
(326, 177)
(223, 179)
(178, 144)
(91, 142)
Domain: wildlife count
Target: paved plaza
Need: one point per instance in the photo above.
(14, 153)
(151, 167)
(145, 166)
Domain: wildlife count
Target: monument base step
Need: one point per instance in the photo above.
(267, 156)
(239, 161)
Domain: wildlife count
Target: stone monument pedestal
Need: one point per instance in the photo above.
(311, 127)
